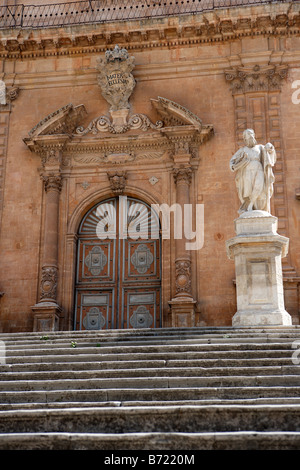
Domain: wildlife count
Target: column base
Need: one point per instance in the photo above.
(182, 312)
(46, 316)
(262, 318)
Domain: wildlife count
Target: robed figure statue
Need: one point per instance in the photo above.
(254, 175)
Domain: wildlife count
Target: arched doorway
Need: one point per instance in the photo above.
(118, 273)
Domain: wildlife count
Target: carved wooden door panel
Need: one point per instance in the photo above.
(118, 276)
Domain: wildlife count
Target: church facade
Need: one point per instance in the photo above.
(116, 134)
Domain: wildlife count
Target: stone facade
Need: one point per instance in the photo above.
(199, 82)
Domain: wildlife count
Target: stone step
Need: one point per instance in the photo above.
(188, 419)
(154, 382)
(134, 341)
(167, 371)
(146, 341)
(241, 440)
(145, 351)
(248, 364)
(148, 394)
(203, 401)
(152, 332)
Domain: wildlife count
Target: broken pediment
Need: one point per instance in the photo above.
(63, 121)
(133, 135)
(174, 114)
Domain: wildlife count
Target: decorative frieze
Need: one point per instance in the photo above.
(104, 124)
(244, 79)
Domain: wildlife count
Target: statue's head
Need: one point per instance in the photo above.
(249, 137)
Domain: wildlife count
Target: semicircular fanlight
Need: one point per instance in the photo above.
(100, 221)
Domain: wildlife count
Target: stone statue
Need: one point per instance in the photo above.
(254, 176)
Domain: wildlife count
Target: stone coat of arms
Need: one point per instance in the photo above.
(115, 78)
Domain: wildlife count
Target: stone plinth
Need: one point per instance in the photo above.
(46, 316)
(257, 251)
(182, 312)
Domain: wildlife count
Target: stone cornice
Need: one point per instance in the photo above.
(278, 19)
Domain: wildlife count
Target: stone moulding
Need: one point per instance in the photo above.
(276, 19)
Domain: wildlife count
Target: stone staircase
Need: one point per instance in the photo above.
(168, 389)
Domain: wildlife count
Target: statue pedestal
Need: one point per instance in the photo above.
(257, 251)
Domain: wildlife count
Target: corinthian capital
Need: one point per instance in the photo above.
(52, 182)
(183, 175)
(257, 78)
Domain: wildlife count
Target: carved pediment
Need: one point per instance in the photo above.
(62, 121)
(174, 114)
(124, 138)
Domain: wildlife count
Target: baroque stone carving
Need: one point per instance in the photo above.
(115, 78)
(52, 182)
(142, 258)
(141, 318)
(51, 156)
(254, 176)
(183, 175)
(173, 114)
(117, 181)
(96, 260)
(257, 78)
(104, 124)
(49, 283)
(63, 121)
(183, 275)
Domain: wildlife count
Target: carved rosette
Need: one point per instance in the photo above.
(117, 181)
(183, 277)
(49, 283)
(183, 175)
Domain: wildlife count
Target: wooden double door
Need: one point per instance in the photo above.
(118, 274)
